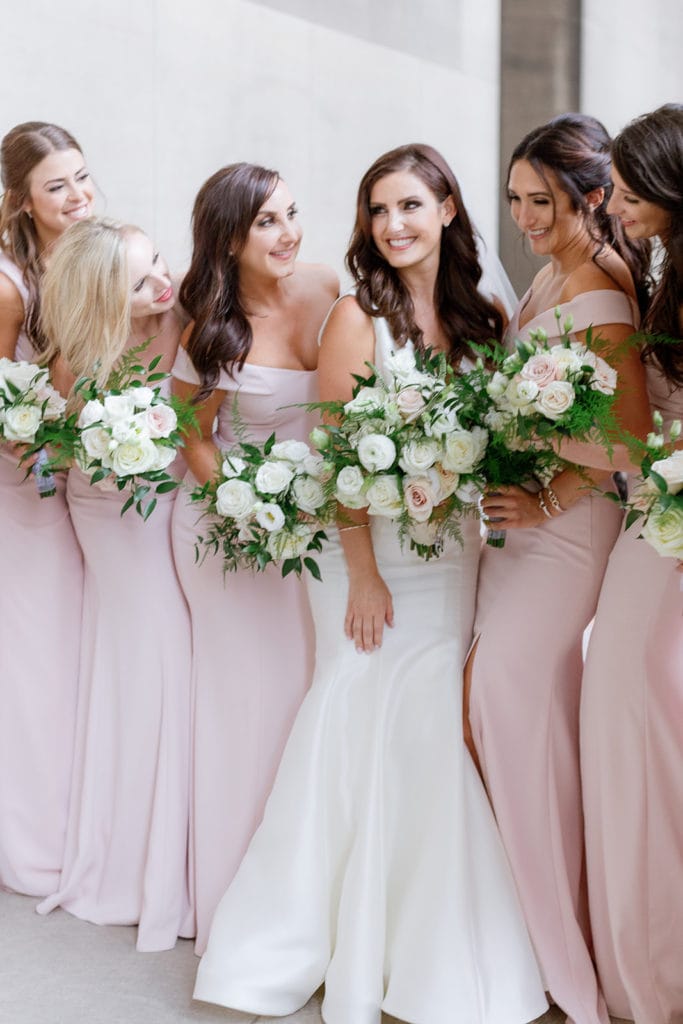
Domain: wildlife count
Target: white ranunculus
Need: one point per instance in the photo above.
(419, 455)
(21, 423)
(376, 452)
(235, 499)
(292, 451)
(232, 466)
(671, 470)
(95, 441)
(367, 400)
(349, 487)
(384, 496)
(290, 544)
(118, 407)
(133, 457)
(273, 477)
(269, 515)
(556, 399)
(566, 360)
(464, 449)
(308, 493)
(664, 531)
(161, 420)
(92, 412)
(142, 396)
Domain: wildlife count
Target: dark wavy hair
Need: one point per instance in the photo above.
(575, 148)
(223, 213)
(648, 154)
(21, 150)
(465, 314)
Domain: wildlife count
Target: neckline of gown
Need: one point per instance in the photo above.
(560, 305)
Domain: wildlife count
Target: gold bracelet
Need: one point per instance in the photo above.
(357, 526)
(542, 505)
(553, 499)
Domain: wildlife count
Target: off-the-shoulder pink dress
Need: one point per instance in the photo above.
(536, 596)
(632, 770)
(40, 626)
(252, 638)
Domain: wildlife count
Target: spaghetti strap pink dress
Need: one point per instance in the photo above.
(632, 769)
(535, 598)
(40, 625)
(253, 645)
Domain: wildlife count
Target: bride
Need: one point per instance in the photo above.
(378, 869)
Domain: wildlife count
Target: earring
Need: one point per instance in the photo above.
(28, 214)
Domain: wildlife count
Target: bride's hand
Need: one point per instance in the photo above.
(368, 609)
(512, 508)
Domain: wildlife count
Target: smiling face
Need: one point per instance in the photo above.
(150, 284)
(639, 217)
(60, 193)
(274, 238)
(407, 220)
(542, 211)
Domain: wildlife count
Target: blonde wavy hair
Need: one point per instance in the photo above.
(85, 298)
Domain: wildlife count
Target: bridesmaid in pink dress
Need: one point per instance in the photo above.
(256, 316)
(538, 593)
(632, 702)
(46, 188)
(125, 859)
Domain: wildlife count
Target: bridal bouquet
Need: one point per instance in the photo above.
(658, 499)
(400, 451)
(268, 503)
(29, 407)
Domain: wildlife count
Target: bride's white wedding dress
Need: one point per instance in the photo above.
(378, 869)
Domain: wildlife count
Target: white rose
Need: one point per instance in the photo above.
(540, 368)
(235, 499)
(165, 455)
(441, 421)
(308, 493)
(23, 375)
(566, 361)
(464, 449)
(376, 452)
(410, 403)
(22, 422)
(133, 457)
(401, 366)
(664, 531)
(273, 477)
(417, 456)
(448, 481)
(367, 400)
(124, 430)
(384, 496)
(671, 471)
(95, 441)
(289, 544)
(349, 486)
(232, 466)
(420, 497)
(556, 399)
(270, 516)
(118, 407)
(92, 412)
(142, 396)
(161, 420)
(520, 393)
(424, 534)
(292, 451)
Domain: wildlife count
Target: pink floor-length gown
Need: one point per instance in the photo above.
(536, 596)
(126, 852)
(40, 625)
(252, 650)
(632, 770)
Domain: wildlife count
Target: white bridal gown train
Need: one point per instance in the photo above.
(378, 869)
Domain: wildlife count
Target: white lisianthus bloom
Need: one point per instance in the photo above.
(384, 496)
(308, 493)
(142, 396)
(401, 366)
(92, 412)
(132, 457)
(512, 364)
(126, 430)
(289, 544)
(232, 466)
(292, 451)
(270, 516)
(316, 466)
(441, 421)
(55, 404)
(367, 400)
(556, 399)
(566, 360)
(655, 440)
(235, 499)
(497, 419)
(95, 441)
(671, 471)
(420, 495)
(319, 437)
(22, 422)
(497, 385)
(273, 477)
(118, 407)
(161, 420)
(464, 449)
(419, 455)
(349, 487)
(675, 430)
(376, 452)
(604, 377)
(520, 393)
(165, 455)
(664, 531)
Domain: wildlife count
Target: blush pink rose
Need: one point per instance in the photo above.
(420, 498)
(540, 369)
(410, 403)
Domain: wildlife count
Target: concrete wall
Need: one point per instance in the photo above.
(161, 93)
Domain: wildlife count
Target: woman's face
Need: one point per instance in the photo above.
(60, 193)
(150, 284)
(274, 238)
(407, 220)
(639, 217)
(542, 211)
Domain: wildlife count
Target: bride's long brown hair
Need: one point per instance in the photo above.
(464, 313)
